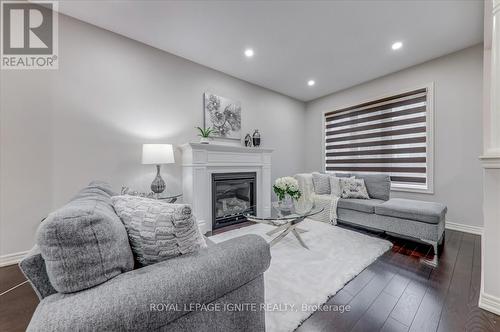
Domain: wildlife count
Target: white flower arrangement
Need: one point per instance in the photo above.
(287, 186)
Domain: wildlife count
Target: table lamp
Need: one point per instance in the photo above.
(157, 154)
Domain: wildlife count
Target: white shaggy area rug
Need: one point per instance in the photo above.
(299, 277)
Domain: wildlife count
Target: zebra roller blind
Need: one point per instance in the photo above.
(387, 135)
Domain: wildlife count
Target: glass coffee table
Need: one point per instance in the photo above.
(285, 222)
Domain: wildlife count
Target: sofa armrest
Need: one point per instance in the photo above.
(153, 296)
(33, 268)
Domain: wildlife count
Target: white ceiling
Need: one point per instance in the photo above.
(337, 43)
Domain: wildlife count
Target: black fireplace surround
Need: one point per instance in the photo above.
(232, 195)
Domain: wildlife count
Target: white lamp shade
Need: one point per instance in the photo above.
(157, 154)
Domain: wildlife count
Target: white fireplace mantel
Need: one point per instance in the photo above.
(200, 161)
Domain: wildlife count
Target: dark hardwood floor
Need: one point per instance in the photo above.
(401, 291)
(17, 305)
(398, 292)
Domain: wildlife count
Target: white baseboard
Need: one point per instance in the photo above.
(490, 303)
(464, 228)
(12, 259)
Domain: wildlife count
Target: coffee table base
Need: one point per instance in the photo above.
(285, 223)
(287, 228)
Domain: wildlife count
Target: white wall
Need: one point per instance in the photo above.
(457, 109)
(61, 129)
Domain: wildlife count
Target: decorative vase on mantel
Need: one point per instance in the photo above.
(256, 138)
(204, 140)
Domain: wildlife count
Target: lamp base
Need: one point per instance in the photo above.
(158, 185)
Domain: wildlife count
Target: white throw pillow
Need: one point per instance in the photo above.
(335, 187)
(158, 231)
(354, 188)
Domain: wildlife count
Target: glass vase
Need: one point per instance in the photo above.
(285, 204)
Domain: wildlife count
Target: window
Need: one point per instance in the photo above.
(391, 135)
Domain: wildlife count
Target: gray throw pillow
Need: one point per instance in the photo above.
(354, 188)
(157, 230)
(321, 183)
(84, 243)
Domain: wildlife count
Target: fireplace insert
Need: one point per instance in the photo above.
(232, 195)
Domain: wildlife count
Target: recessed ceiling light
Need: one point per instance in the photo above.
(311, 82)
(249, 53)
(397, 45)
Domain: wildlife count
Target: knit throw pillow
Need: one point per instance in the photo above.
(335, 186)
(353, 188)
(321, 183)
(158, 231)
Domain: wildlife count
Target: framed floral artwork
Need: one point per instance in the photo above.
(223, 115)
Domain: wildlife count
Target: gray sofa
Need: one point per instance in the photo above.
(419, 220)
(191, 292)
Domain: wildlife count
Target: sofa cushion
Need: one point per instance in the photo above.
(428, 212)
(157, 230)
(84, 243)
(378, 185)
(361, 205)
(321, 183)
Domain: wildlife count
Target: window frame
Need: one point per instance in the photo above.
(430, 127)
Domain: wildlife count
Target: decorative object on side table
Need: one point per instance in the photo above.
(287, 189)
(205, 134)
(223, 116)
(256, 138)
(168, 198)
(157, 154)
(248, 140)
(127, 191)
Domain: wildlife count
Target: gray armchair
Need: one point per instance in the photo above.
(196, 292)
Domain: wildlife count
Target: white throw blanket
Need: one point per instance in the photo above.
(310, 198)
(329, 204)
(333, 209)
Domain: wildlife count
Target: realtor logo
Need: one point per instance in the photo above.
(29, 35)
